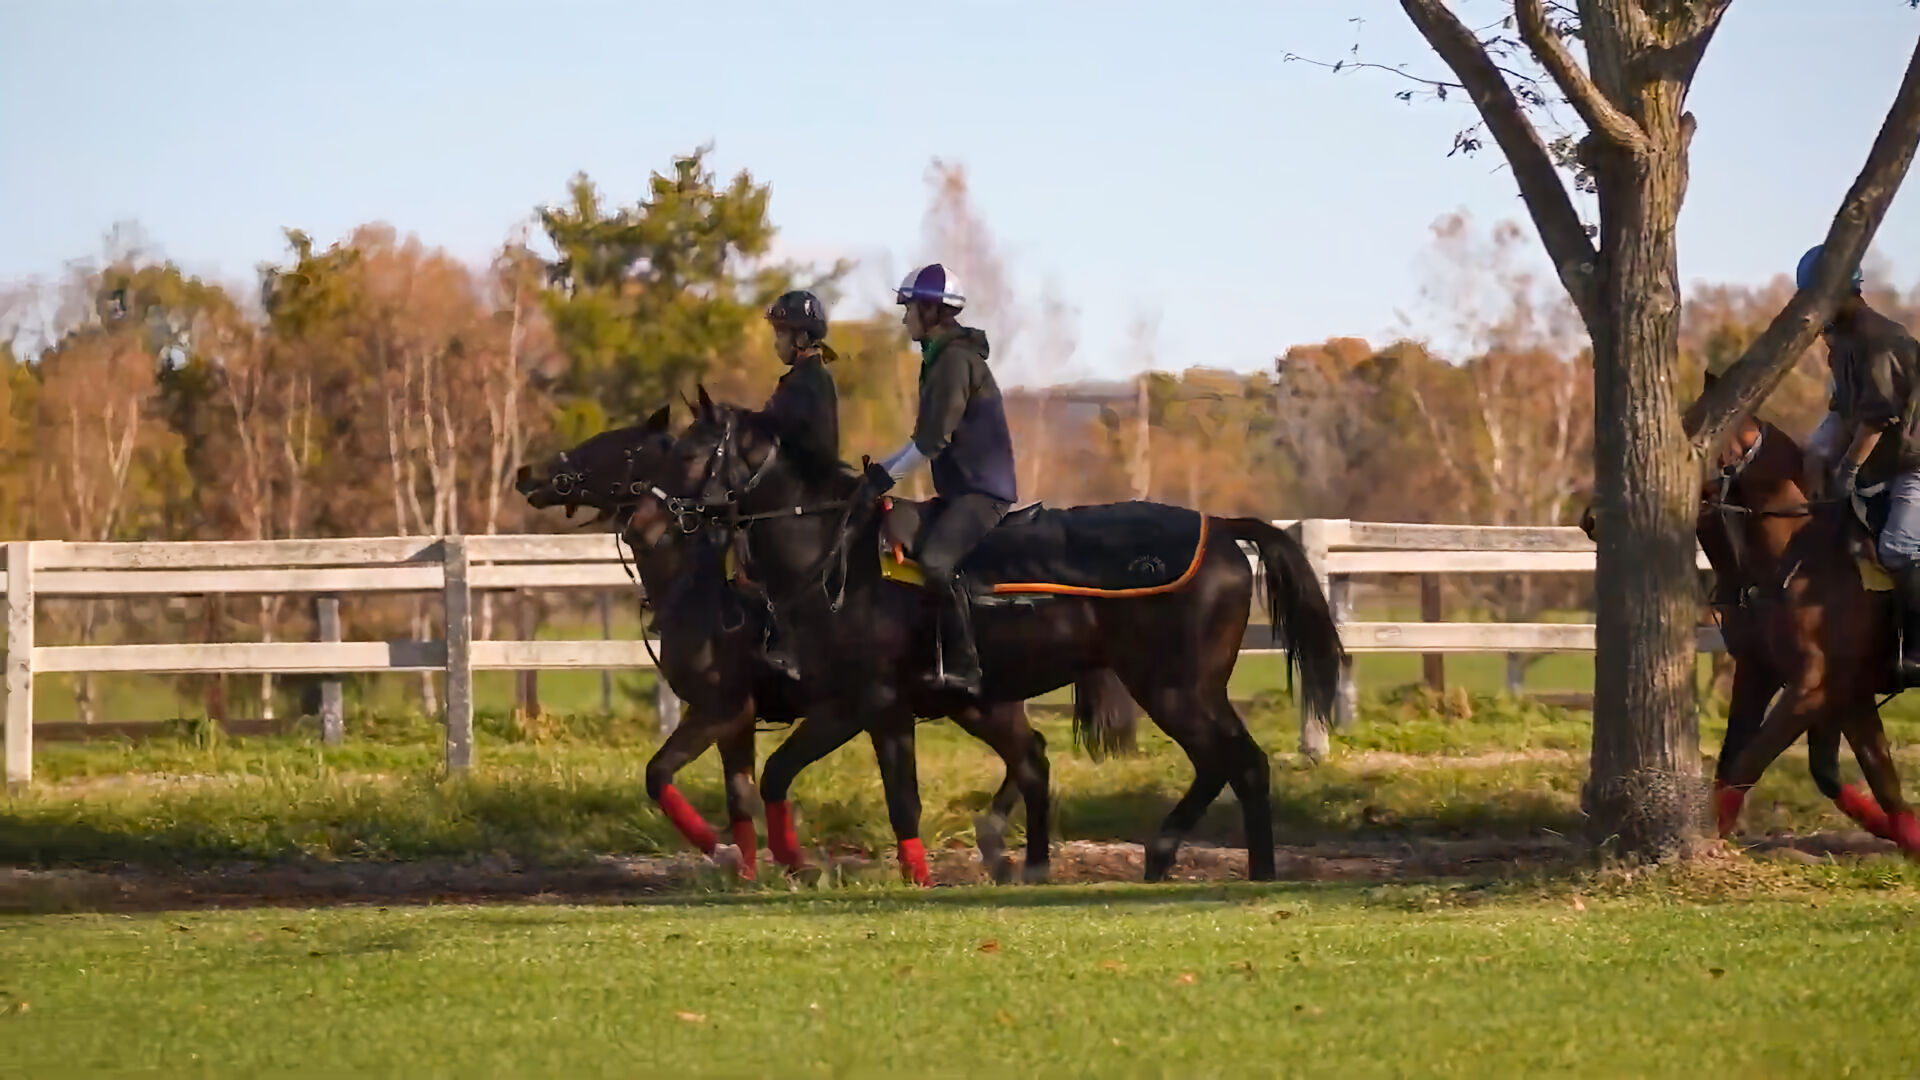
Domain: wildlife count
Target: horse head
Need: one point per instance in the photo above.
(612, 472)
(723, 457)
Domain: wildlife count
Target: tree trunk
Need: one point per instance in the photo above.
(1644, 792)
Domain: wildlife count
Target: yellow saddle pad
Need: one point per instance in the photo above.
(1873, 576)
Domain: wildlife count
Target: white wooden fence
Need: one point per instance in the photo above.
(457, 567)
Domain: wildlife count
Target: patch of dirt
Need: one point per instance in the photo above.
(626, 879)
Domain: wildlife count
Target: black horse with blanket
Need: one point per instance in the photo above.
(711, 629)
(1158, 594)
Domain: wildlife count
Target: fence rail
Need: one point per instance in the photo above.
(456, 567)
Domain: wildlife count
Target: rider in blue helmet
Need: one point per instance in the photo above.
(1870, 429)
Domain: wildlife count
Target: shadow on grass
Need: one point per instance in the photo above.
(565, 822)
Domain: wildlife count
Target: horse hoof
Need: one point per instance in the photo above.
(1000, 870)
(1035, 874)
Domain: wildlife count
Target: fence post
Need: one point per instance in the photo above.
(19, 726)
(1346, 705)
(1313, 538)
(459, 610)
(605, 601)
(1433, 666)
(333, 713)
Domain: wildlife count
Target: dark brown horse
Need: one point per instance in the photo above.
(710, 654)
(1801, 623)
(870, 641)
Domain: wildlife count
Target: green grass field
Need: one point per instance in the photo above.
(1783, 965)
(1811, 976)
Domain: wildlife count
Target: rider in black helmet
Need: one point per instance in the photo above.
(804, 409)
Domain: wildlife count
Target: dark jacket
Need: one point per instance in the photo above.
(1875, 365)
(962, 426)
(805, 411)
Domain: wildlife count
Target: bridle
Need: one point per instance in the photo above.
(718, 505)
(1732, 513)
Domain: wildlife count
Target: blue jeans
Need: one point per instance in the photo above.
(1899, 544)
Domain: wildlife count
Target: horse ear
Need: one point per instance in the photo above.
(706, 403)
(659, 420)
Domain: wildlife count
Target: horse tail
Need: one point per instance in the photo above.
(1297, 611)
(1104, 716)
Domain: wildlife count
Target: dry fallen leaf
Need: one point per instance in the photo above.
(1187, 978)
(1113, 965)
(1282, 915)
(903, 971)
(1716, 972)
(1003, 1017)
(1578, 904)
(989, 946)
(690, 1017)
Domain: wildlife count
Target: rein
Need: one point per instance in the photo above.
(1729, 510)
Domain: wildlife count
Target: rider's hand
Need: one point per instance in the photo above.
(876, 481)
(1844, 479)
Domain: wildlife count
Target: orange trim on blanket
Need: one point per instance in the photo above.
(1199, 552)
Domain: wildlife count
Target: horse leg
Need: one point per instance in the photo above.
(813, 738)
(899, 778)
(1869, 741)
(1184, 717)
(1823, 762)
(1802, 706)
(696, 732)
(1035, 776)
(1251, 777)
(1754, 685)
(736, 763)
(1004, 728)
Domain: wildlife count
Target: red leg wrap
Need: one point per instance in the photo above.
(1906, 831)
(749, 845)
(686, 819)
(1727, 801)
(782, 844)
(1862, 808)
(913, 862)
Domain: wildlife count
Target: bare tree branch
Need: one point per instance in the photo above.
(1601, 115)
(1551, 208)
(1747, 383)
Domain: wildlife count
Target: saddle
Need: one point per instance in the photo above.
(1870, 507)
(1124, 549)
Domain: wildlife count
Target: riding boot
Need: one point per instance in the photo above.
(1907, 595)
(959, 663)
(776, 653)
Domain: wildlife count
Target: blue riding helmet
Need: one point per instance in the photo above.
(1803, 274)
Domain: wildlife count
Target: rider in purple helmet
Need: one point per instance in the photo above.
(1875, 367)
(961, 432)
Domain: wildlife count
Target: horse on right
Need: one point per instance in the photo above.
(1807, 616)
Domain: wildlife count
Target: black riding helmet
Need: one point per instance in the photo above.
(799, 310)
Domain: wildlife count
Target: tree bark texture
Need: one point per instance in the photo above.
(1644, 791)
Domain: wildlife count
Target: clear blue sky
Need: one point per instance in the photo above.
(1138, 156)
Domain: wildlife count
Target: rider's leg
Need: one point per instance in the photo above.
(1899, 552)
(962, 523)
